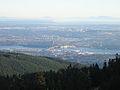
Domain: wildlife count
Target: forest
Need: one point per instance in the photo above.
(16, 63)
(69, 78)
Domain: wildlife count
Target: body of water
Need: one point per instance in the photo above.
(99, 51)
(18, 47)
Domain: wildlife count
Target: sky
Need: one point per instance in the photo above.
(59, 8)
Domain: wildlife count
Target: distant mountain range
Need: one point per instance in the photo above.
(89, 20)
(12, 20)
(62, 19)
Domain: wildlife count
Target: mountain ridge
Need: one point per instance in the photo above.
(16, 63)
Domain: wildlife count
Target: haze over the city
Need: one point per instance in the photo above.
(61, 10)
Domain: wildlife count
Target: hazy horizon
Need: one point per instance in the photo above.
(59, 8)
(94, 19)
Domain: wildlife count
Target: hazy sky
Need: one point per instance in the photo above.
(59, 8)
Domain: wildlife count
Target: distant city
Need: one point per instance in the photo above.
(81, 43)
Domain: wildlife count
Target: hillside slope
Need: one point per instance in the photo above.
(13, 63)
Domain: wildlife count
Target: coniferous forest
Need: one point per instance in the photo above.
(70, 78)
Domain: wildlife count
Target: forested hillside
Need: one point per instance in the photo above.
(14, 63)
(69, 78)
